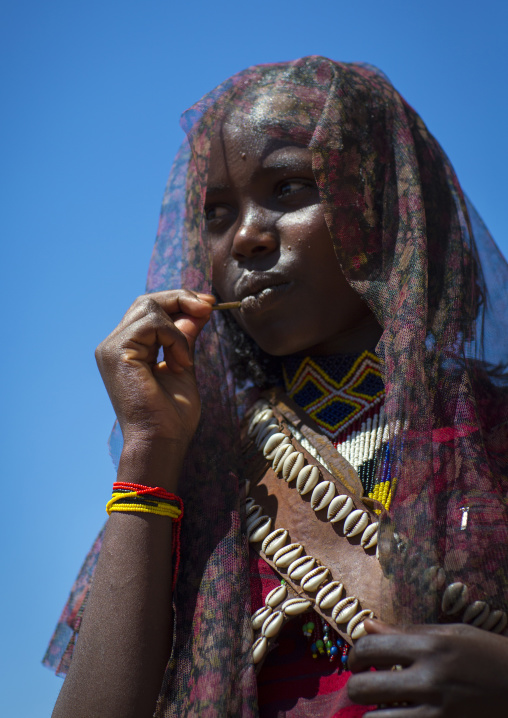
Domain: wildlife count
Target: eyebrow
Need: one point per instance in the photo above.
(292, 163)
(296, 165)
(282, 162)
(217, 188)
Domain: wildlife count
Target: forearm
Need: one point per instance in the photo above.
(125, 637)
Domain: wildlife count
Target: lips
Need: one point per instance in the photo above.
(250, 285)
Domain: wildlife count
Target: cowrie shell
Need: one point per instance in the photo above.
(476, 613)
(265, 434)
(340, 507)
(355, 627)
(283, 450)
(369, 536)
(261, 426)
(259, 649)
(259, 416)
(355, 523)
(274, 541)
(295, 606)
(248, 502)
(301, 567)
(264, 426)
(253, 517)
(454, 598)
(293, 464)
(259, 529)
(273, 443)
(287, 554)
(285, 442)
(276, 595)
(322, 495)
(329, 594)
(253, 511)
(345, 609)
(273, 624)
(307, 479)
(496, 622)
(260, 616)
(501, 625)
(313, 580)
(435, 577)
(263, 412)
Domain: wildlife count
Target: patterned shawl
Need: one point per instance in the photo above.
(413, 247)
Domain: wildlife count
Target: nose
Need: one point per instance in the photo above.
(255, 235)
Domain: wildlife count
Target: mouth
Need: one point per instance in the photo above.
(263, 297)
(251, 284)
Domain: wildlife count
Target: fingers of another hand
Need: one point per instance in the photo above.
(385, 651)
(406, 712)
(373, 687)
(386, 645)
(375, 626)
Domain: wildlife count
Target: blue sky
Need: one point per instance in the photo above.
(92, 96)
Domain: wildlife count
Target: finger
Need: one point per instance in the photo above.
(183, 301)
(375, 626)
(386, 651)
(178, 301)
(397, 711)
(151, 332)
(376, 687)
(432, 629)
(189, 312)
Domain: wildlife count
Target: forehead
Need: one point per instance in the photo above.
(280, 110)
(239, 152)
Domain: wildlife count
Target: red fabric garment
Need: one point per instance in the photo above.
(292, 684)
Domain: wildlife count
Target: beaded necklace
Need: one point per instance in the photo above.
(344, 395)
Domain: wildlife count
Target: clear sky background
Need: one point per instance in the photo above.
(92, 94)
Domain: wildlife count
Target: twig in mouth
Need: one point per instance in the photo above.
(226, 305)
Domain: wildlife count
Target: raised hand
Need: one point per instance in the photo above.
(155, 400)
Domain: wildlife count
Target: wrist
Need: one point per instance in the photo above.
(153, 462)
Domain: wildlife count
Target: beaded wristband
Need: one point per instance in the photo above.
(150, 500)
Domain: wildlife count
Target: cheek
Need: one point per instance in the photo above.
(308, 235)
(306, 225)
(220, 274)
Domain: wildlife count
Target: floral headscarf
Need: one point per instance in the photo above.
(413, 247)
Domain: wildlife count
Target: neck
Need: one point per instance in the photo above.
(364, 335)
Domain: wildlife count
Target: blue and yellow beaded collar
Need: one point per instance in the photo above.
(344, 395)
(336, 391)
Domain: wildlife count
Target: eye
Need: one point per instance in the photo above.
(217, 211)
(289, 187)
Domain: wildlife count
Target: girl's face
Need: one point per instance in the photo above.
(271, 248)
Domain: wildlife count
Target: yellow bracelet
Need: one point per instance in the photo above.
(170, 511)
(148, 505)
